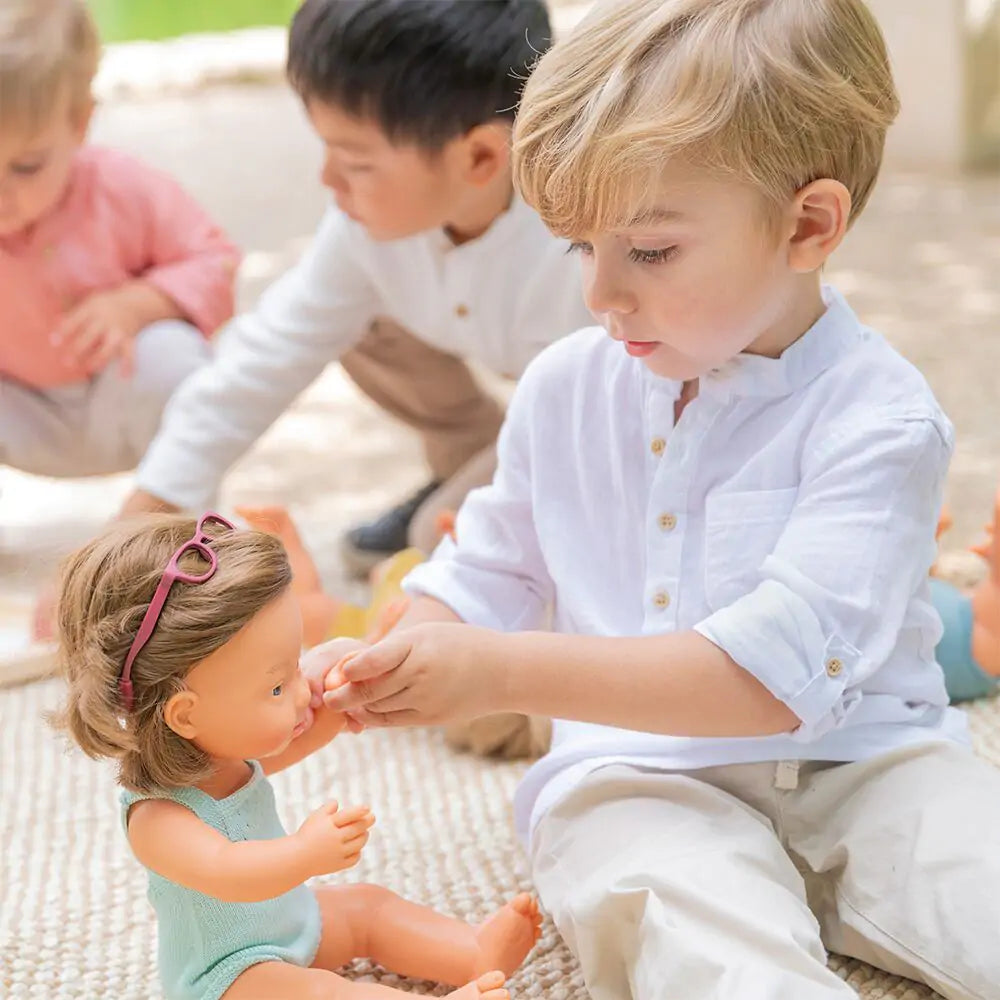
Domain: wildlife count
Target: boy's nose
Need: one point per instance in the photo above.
(332, 178)
(603, 294)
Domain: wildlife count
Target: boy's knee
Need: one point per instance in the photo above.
(166, 353)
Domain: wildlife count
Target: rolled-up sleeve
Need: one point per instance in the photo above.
(832, 597)
(494, 575)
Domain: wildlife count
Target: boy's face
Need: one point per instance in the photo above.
(394, 191)
(695, 281)
(35, 169)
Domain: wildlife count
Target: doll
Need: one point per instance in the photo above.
(510, 736)
(180, 644)
(969, 650)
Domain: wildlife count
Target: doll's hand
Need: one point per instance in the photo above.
(319, 661)
(332, 838)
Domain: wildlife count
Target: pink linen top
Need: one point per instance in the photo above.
(117, 221)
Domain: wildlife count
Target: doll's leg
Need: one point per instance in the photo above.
(367, 921)
(281, 981)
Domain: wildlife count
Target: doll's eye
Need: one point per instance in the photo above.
(276, 691)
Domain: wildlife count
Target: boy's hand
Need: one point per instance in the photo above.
(104, 325)
(332, 839)
(425, 675)
(317, 663)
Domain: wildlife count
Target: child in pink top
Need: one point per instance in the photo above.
(111, 277)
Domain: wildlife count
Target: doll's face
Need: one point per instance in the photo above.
(248, 700)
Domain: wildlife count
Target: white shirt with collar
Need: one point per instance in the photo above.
(789, 517)
(498, 300)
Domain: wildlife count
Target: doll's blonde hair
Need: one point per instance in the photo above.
(106, 587)
(774, 93)
(49, 53)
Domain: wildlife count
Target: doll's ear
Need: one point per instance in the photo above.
(178, 714)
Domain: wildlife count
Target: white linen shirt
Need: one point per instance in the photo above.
(788, 517)
(498, 300)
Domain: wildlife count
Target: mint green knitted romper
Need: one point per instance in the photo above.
(205, 943)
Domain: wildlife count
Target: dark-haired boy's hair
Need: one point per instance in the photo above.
(424, 71)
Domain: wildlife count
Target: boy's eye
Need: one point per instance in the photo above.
(26, 169)
(652, 256)
(580, 246)
(276, 691)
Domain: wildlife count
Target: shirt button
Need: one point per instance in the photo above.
(461, 311)
(661, 600)
(834, 667)
(657, 445)
(667, 522)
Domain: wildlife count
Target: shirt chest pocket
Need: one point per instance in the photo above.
(741, 531)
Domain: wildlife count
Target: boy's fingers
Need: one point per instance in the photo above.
(390, 720)
(377, 660)
(348, 697)
(85, 342)
(69, 325)
(317, 662)
(401, 701)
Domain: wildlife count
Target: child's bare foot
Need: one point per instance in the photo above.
(507, 937)
(319, 610)
(277, 521)
(489, 986)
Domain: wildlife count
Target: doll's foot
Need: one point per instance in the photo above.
(319, 610)
(507, 937)
(489, 986)
(275, 520)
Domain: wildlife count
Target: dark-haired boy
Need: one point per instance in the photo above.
(429, 259)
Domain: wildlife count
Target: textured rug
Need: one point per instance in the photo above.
(74, 921)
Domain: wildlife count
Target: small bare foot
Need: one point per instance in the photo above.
(507, 937)
(488, 986)
(277, 521)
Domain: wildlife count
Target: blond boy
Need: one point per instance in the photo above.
(728, 494)
(111, 277)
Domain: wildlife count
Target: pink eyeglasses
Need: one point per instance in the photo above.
(171, 575)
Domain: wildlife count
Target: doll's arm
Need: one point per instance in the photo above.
(326, 725)
(173, 842)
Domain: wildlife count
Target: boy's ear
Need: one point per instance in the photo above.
(485, 152)
(178, 713)
(820, 212)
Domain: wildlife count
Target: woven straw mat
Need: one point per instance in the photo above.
(75, 922)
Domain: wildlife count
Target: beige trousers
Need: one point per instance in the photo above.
(104, 425)
(729, 884)
(437, 395)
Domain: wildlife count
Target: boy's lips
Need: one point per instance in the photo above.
(641, 348)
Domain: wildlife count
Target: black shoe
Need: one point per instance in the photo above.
(365, 546)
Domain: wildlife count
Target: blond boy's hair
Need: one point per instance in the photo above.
(774, 93)
(49, 52)
(106, 588)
